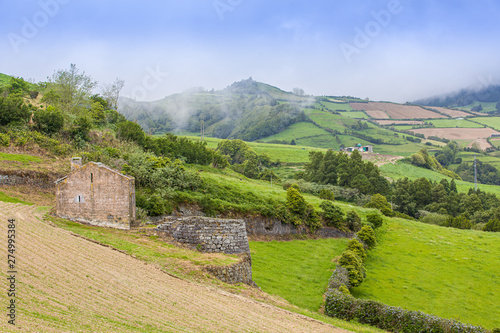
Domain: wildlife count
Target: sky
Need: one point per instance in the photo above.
(390, 50)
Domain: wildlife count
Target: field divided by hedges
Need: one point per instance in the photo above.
(446, 272)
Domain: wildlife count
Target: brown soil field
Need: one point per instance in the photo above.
(451, 113)
(397, 111)
(377, 114)
(481, 144)
(457, 133)
(69, 284)
(399, 122)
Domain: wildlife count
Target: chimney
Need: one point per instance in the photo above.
(76, 162)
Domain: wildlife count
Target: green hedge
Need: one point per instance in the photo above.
(390, 318)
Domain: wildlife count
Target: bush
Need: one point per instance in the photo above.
(353, 221)
(375, 219)
(4, 140)
(380, 202)
(492, 225)
(355, 246)
(389, 318)
(312, 218)
(339, 278)
(326, 194)
(49, 121)
(354, 266)
(367, 236)
(295, 202)
(332, 215)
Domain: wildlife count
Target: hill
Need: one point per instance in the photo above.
(467, 99)
(246, 110)
(67, 283)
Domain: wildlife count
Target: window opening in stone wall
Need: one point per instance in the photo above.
(91, 177)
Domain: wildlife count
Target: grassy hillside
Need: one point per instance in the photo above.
(296, 270)
(4, 79)
(401, 170)
(444, 123)
(442, 271)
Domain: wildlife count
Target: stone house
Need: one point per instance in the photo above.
(96, 194)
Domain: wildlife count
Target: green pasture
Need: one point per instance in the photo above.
(296, 270)
(25, 159)
(446, 272)
(454, 123)
(401, 170)
(285, 153)
(297, 131)
(337, 106)
(354, 114)
(493, 122)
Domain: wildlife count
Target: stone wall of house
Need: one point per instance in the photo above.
(207, 234)
(235, 273)
(97, 195)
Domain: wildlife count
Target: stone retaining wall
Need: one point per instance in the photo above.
(235, 273)
(207, 234)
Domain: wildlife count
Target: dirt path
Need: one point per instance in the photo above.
(68, 284)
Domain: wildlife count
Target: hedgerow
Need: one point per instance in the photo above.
(390, 318)
(350, 273)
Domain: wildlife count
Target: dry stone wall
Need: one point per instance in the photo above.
(208, 234)
(239, 272)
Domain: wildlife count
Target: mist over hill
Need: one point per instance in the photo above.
(246, 110)
(464, 97)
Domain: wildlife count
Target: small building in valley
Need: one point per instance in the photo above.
(96, 194)
(366, 149)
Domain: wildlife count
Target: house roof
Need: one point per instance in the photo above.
(98, 164)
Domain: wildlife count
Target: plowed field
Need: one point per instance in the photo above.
(69, 284)
(451, 113)
(456, 133)
(396, 111)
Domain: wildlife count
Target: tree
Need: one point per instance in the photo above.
(73, 87)
(111, 92)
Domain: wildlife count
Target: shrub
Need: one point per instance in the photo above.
(353, 221)
(312, 219)
(354, 265)
(375, 219)
(355, 246)
(367, 236)
(492, 225)
(4, 140)
(49, 121)
(339, 278)
(295, 202)
(380, 202)
(389, 318)
(326, 194)
(332, 215)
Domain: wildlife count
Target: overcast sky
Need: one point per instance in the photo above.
(397, 50)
